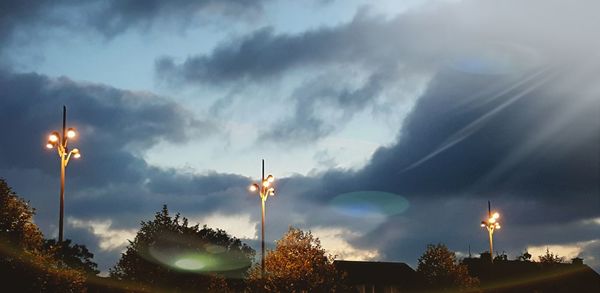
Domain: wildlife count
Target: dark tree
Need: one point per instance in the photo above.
(167, 253)
(22, 259)
(550, 258)
(501, 257)
(298, 264)
(75, 256)
(440, 270)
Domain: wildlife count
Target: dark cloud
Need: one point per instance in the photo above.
(116, 124)
(265, 54)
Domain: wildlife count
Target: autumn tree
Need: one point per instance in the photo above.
(440, 270)
(298, 264)
(168, 253)
(22, 258)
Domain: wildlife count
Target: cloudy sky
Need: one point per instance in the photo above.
(388, 124)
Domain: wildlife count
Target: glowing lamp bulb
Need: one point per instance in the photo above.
(253, 188)
(49, 145)
(497, 226)
(482, 225)
(270, 178)
(71, 133)
(53, 138)
(496, 216)
(492, 220)
(266, 183)
(76, 153)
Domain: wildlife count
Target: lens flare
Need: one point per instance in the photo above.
(195, 256)
(370, 204)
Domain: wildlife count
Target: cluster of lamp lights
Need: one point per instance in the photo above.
(265, 191)
(60, 143)
(491, 224)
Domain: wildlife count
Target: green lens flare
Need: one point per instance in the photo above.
(189, 264)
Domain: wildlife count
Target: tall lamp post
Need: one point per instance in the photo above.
(264, 190)
(491, 224)
(59, 141)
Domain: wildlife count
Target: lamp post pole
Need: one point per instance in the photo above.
(263, 199)
(264, 191)
(62, 178)
(60, 142)
(491, 232)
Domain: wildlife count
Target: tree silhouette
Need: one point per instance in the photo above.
(167, 253)
(526, 256)
(298, 264)
(440, 270)
(501, 257)
(550, 258)
(22, 259)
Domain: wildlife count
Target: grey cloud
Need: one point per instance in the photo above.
(110, 18)
(117, 16)
(323, 92)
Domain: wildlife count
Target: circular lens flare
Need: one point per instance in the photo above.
(370, 204)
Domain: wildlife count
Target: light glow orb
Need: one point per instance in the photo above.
(190, 264)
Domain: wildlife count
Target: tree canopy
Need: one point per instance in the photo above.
(439, 268)
(168, 253)
(298, 264)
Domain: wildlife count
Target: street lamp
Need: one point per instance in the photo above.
(264, 190)
(58, 141)
(491, 224)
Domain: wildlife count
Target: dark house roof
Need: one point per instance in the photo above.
(380, 273)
